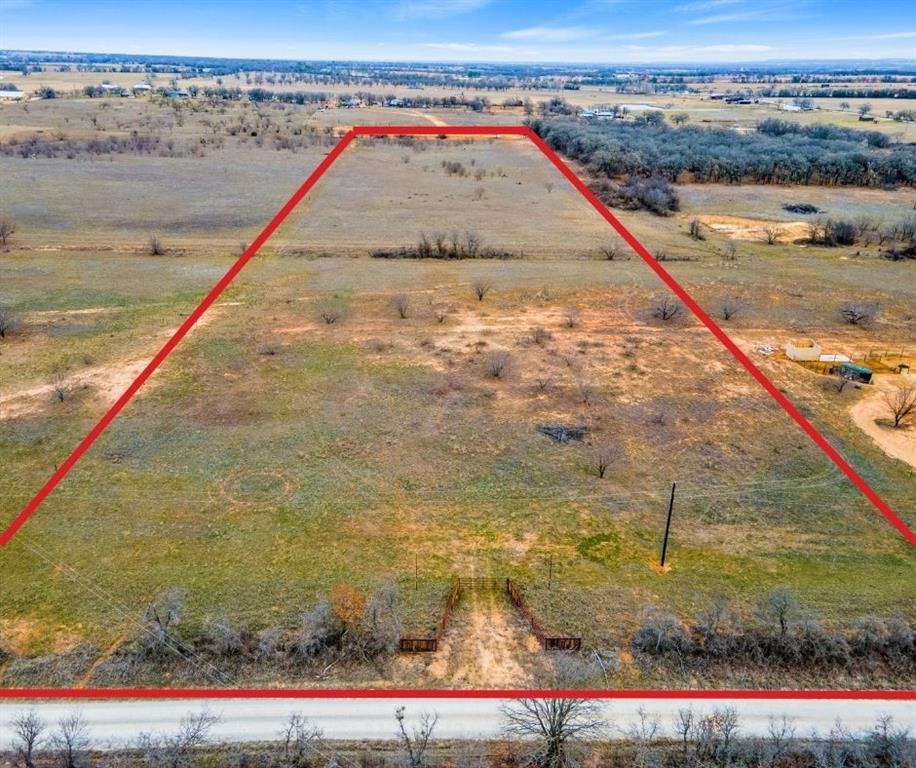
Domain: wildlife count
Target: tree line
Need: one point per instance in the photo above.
(534, 732)
(778, 152)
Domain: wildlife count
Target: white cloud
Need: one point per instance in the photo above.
(549, 34)
(635, 35)
(472, 47)
(433, 9)
(893, 36)
(706, 5)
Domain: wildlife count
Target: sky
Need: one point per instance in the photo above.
(568, 31)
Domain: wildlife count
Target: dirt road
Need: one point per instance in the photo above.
(897, 443)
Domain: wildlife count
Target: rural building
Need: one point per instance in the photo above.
(12, 95)
(142, 88)
(803, 350)
(868, 119)
(176, 94)
(110, 88)
(834, 359)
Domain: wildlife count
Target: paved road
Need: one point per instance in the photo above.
(120, 722)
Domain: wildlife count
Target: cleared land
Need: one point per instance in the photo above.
(276, 454)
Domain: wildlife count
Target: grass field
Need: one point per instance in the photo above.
(275, 455)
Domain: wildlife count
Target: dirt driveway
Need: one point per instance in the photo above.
(897, 443)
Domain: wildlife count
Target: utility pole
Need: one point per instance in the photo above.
(416, 573)
(550, 573)
(668, 524)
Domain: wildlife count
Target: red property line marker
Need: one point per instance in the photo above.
(439, 693)
(469, 130)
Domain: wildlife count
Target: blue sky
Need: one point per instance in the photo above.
(587, 31)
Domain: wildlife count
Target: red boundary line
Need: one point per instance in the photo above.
(439, 693)
(210, 298)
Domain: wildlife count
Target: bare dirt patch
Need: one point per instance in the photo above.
(740, 228)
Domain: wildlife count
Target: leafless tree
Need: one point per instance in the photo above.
(683, 728)
(61, 386)
(481, 289)
(642, 734)
(839, 382)
(779, 607)
(780, 735)
(299, 738)
(7, 229)
(571, 318)
(586, 391)
(330, 315)
(70, 740)
(611, 252)
(730, 253)
(731, 306)
(544, 382)
(440, 315)
(224, 638)
(901, 404)
(605, 458)
(402, 305)
(770, 234)
(28, 730)
(8, 322)
(158, 621)
(242, 247)
(856, 313)
(695, 230)
(416, 744)
(555, 725)
(497, 363)
(177, 750)
(666, 308)
(155, 246)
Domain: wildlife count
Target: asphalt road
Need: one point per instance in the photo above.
(116, 723)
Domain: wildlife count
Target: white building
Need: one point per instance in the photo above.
(806, 350)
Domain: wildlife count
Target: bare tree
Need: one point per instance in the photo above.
(731, 306)
(855, 312)
(643, 734)
(666, 308)
(901, 404)
(779, 607)
(571, 318)
(299, 738)
(555, 725)
(497, 363)
(586, 391)
(71, 739)
(155, 246)
(606, 457)
(158, 621)
(695, 230)
(780, 735)
(7, 229)
(440, 315)
(730, 253)
(330, 315)
(683, 728)
(177, 750)
(770, 234)
(611, 252)
(481, 289)
(839, 382)
(28, 730)
(8, 322)
(401, 304)
(61, 386)
(416, 744)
